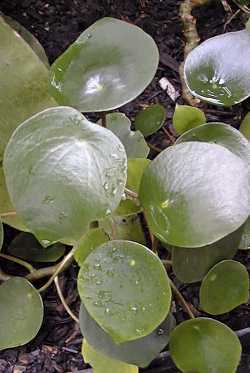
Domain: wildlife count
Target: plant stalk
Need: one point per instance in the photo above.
(19, 261)
(182, 300)
(63, 300)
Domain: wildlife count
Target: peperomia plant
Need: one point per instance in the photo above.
(90, 186)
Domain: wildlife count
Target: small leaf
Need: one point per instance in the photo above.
(104, 364)
(245, 238)
(88, 180)
(187, 117)
(26, 246)
(204, 345)
(195, 199)
(214, 72)
(191, 265)
(225, 287)
(136, 168)
(124, 228)
(92, 239)
(245, 126)
(139, 352)
(151, 119)
(110, 64)
(133, 141)
(125, 288)
(21, 312)
(1, 234)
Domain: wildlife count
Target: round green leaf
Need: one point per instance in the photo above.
(196, 197)
(104, 364)
(245, 237)
(245, 126)
(1, 234)
(125, 288)
(63, 172)
(204, 345)
(225, 287)
(26, 246)
(92, 239)
(214, 72)
(110, 64)
(221, 134)
(151, 119)
(191, 265)
(187, 117)
(136, 168)
(139, 352)
(133, 141)
(21, 313)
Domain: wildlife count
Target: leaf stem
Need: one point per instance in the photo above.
(19, 261)
(130, 193)
(181, 299)
(7, 214)
(103, 119)
(63, 300)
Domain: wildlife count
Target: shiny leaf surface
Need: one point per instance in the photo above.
(187, 117)
(151, 119)
(245, 126)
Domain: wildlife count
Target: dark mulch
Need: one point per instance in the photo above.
(56, 24)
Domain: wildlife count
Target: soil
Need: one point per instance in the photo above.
(57, 24)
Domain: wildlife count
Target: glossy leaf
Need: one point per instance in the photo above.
(21, 312)
(245, 126)
(187, 117)
(110, 64)
(125, 288)
(225, 287)
(133, 141)
(197, 199)
(204, 345)
(24, 83)
(104, 364)
(92, 239)
(221, 134)
(63, 172)
(215, 73)
(139, 352)
(26, 246)
(191, 265)
(245, 237)
(151, 119)
(136, 168)
(1, 234)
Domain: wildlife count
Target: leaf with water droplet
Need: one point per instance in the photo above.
(92, 239)
(225, 287)
(187, 117)
(60, 205)
(214, 72)
(27, 247)
(102, 363)
(21, 312)
(151, 119)
(203, 345)
(1, 234)
(139, 352)
(119, 292)
(196, 194)
(133, 141)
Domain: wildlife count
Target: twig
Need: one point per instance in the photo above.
(60, 294)
(8, 214)
(4, 276)
(182, 300)
(103, 119)
(19, 261)
(131, 194)
(155, 148)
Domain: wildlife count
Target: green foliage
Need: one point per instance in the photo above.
(245, 126)
(125, 289)
(203, 346)
(110, 64)
(225, 287)
(151, 119)
(187, 117)
(21, 312)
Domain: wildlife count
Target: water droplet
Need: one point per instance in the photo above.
(98, 265)
(124, 197)
(89, 36)
(98, 282)
(106, 186)
(48, 199)
(160, 331)
(134, 308)
(143, 309)
(136, 282)
(107, 310)
(108, 212)
(29, 295)
(213, 277)
(132, 263)
(114, 249)
(114, 191)
(114, 156)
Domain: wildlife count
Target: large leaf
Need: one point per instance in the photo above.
(63, 172)
(196, 198)
(245, 126)
(215, 73)
(225, 287)
(139, 352)
(110, 64)
(125, 288)
(24, 83)
(191, 265)
(104, 364)
(21, 312)
(26, 246)
(151, 119)
(204, 345)
(1, 234)
(133, 141)
(245, 237)
(187, 117)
